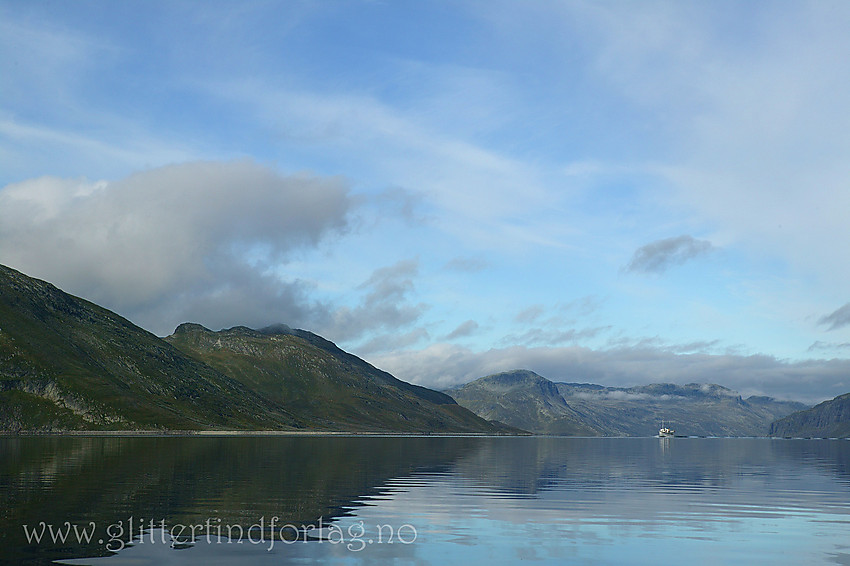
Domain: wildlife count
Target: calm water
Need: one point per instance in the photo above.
(426, 500)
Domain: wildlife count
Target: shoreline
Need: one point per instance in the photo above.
(214, 433)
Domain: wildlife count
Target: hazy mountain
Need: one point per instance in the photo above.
(66, 363)
(524, 399)
(830, 419)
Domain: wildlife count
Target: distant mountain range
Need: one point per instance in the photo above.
(68, 364)
(526, 400)
(830, 419)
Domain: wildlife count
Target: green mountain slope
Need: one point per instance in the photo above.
(68, 364)
(585, 409)
(321, 384)
(830, 419)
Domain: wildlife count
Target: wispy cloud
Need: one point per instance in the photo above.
(466, 264)
(821, 346)
(126, 147)
(553, 337)
(385, 307)
(467, 328)
(836, 319)
(658, 256)
(472, 188)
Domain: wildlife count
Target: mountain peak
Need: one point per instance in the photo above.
(513, 377)
(275, 329)
(189, 327)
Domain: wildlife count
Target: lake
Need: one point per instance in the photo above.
(423, 500)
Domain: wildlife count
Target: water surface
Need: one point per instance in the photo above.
(424, 500)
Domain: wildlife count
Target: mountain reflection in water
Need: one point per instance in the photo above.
(431, 500)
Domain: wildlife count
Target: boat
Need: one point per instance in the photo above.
(665, 432)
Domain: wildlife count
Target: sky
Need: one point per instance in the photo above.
(610, 192)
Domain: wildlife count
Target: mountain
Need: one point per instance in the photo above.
(526, 400)
(319, 383)
(68, 364)
(830, 419)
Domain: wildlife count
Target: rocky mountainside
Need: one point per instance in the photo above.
(524, 399)
(830, 419)
(68, 364)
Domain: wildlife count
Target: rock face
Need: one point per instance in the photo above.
(830, 419)
(68, 364)
(524, 399)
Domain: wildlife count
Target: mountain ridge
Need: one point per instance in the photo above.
(595, 410)
(317, 380)
(830, 419)
(69, 364)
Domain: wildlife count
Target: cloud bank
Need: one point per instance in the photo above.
(195, 241)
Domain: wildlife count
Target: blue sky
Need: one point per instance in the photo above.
(615, 192)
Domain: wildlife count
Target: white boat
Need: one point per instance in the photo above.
(665, 432)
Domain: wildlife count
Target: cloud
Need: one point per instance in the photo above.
(196, 241)
(530, 314)
(658, 256)
(393, 341)
(819, 345)
(467, 328)
(398, 203)
(837, 319)
(553, 336)
(444, 365)
(759, 126)
(385, 306)
(466, 264)
(618, 395)
(470, 189)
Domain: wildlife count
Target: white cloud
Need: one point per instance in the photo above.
(172, 242)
